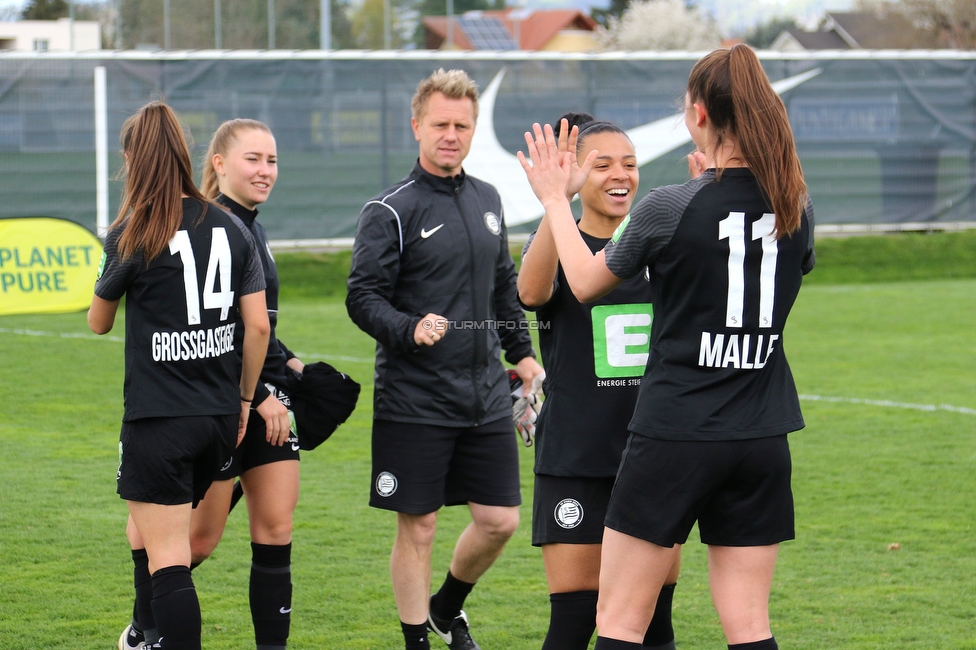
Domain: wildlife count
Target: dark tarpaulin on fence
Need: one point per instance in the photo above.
(881, 139)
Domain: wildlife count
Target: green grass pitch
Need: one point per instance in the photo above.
(888, 458)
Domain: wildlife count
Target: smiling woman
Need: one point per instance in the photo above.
(594, 356)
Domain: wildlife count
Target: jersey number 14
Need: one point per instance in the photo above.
(219, 262)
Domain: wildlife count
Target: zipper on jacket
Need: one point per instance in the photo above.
(478, 406)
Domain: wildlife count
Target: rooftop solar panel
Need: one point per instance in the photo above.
(486, 33)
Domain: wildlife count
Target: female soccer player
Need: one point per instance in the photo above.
(726, 254)
(185, 267)
(239, 171)
(595, 355)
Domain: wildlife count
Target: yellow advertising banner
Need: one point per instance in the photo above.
(46, 266)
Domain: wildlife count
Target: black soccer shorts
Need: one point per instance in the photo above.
(171, 461)
(255, 450)
(569, 509)
(417, 468)
(738, 491)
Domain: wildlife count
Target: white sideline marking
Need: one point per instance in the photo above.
(891, 404)
(63, 335)
(333, 357)
(119, 339)
(338, 357)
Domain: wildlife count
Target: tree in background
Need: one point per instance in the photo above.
(342, 36)
(368, 25)
(952, 22)
(45, 10)
(244, 24)
(762, 35)
(617, 9)
(101, 12)
(661, 25)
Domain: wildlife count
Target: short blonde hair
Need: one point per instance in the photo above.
(453, 84)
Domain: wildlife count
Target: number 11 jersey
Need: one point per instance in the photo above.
(180, 357)
(724, 286)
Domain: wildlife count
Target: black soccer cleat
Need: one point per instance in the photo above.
(454, 633)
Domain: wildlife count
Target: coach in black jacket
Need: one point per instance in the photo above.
(433, 282)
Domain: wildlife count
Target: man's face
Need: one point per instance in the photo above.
(444, 131)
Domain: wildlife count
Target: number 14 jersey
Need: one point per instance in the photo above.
(724, 286)
(180, 357)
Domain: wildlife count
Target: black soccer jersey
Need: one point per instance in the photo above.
(180, 357)
(274, 370)
(594, 355)
(723, 286)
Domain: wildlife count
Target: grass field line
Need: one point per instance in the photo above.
(890, 403)
(338, 357)
(121, 339)
(62, 335)
(333, 357)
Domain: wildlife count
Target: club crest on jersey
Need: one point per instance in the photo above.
(492, 223)
(620, 229)
(568, 513)
(386, 484)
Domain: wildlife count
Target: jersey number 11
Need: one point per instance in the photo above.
(733, 228)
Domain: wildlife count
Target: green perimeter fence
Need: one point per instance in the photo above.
(884, 137)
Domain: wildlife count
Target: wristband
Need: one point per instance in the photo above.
(247, 400)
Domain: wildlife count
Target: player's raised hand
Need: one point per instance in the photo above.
(548, 170)
(567, 145)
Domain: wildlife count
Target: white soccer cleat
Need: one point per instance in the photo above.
(131, 640)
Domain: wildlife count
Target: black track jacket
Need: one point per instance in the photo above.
(433, 244)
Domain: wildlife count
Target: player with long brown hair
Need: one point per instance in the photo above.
(726, 253)
(185, 267)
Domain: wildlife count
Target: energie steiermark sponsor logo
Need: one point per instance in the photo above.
(621, 339)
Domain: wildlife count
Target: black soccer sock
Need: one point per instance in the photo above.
(142, 616)
(270, 595)
(446, 604)
(572, 619)
(603, 643)
(415, 636)
(176, 608)
(660, 633)
(765, 644)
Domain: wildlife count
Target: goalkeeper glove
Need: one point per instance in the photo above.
(524, 409)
